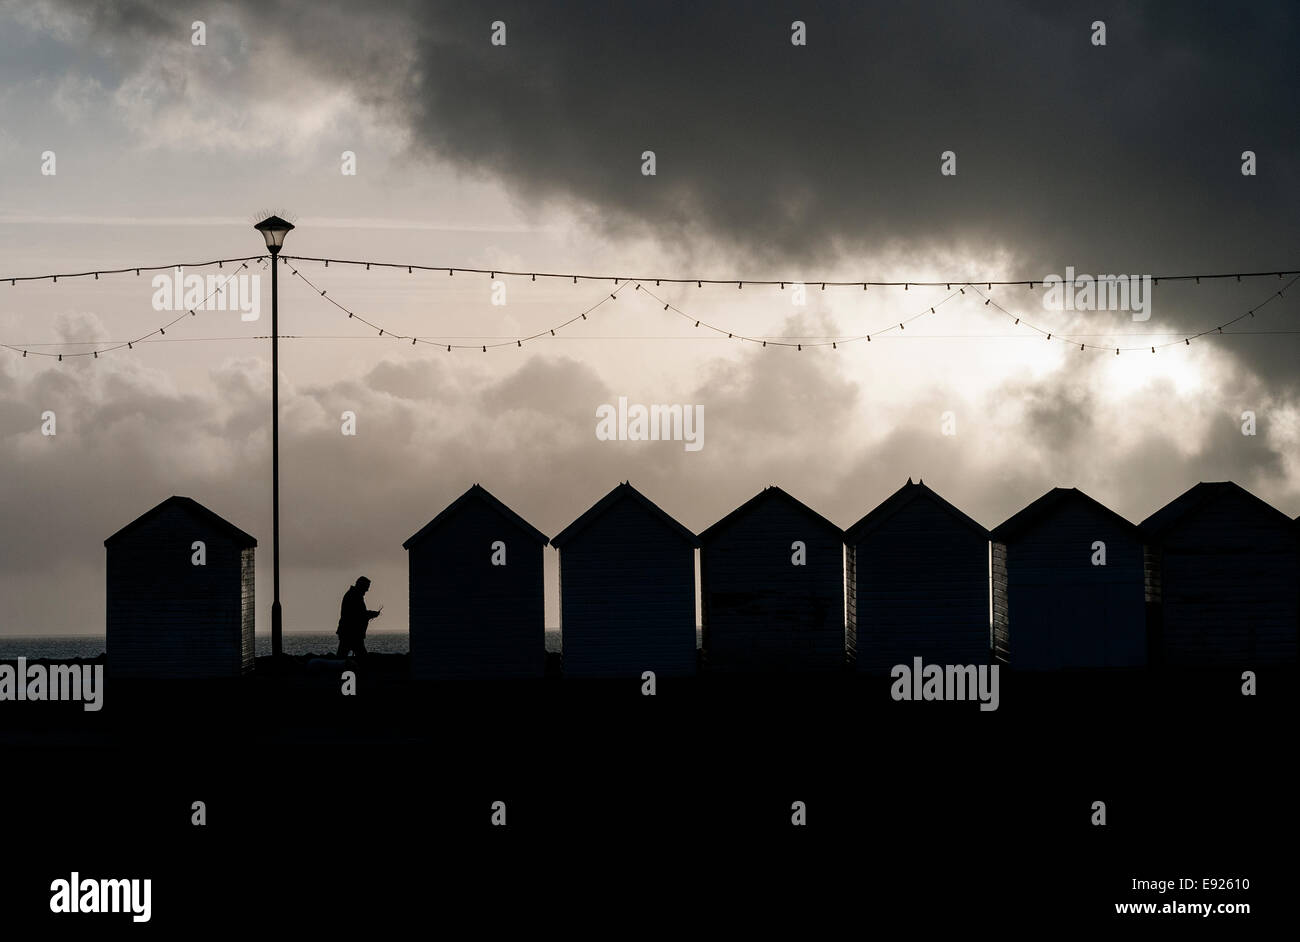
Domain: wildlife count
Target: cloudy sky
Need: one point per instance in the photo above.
(772, 161)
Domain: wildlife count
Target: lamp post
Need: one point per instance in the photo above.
(274, 229)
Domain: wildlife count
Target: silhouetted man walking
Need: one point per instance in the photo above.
(354, 619)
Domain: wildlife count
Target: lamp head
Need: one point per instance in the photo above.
(274, 229)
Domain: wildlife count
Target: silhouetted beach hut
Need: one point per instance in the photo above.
(627, 590)
(1222, 575)
(1054, 605)
(179, 595)
(476, 592)
(772, 583)
(918, 583)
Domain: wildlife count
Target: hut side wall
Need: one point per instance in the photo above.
(1001, 613)
(247, 608)
(627, 597)
(851, 605)
(469, 618)
(923, 590)
(1053, 609)
(762, 612)
(168, 618)
(1229, 587)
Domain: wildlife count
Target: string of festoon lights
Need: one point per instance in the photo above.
(159, 331)
(833, 342)
(219, 262)
(1084, 345)
(511, 342)
(640, 284)
(643, 279)
(699, 282)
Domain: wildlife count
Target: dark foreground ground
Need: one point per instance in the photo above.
(628, 814)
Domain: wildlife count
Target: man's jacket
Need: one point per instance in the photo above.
(353, 616)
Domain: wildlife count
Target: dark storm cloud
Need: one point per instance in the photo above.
(1094, 155)
(1114, 158)
(1122, 158)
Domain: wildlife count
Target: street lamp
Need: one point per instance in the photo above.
(274, 229)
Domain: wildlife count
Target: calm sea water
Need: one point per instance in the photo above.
(295, 642)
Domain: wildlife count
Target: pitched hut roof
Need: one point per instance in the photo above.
(899, 500)
(624, 491)
(481, 494)
(1195, 499)
(767, 494)
(194, 509)
(1032, 515)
